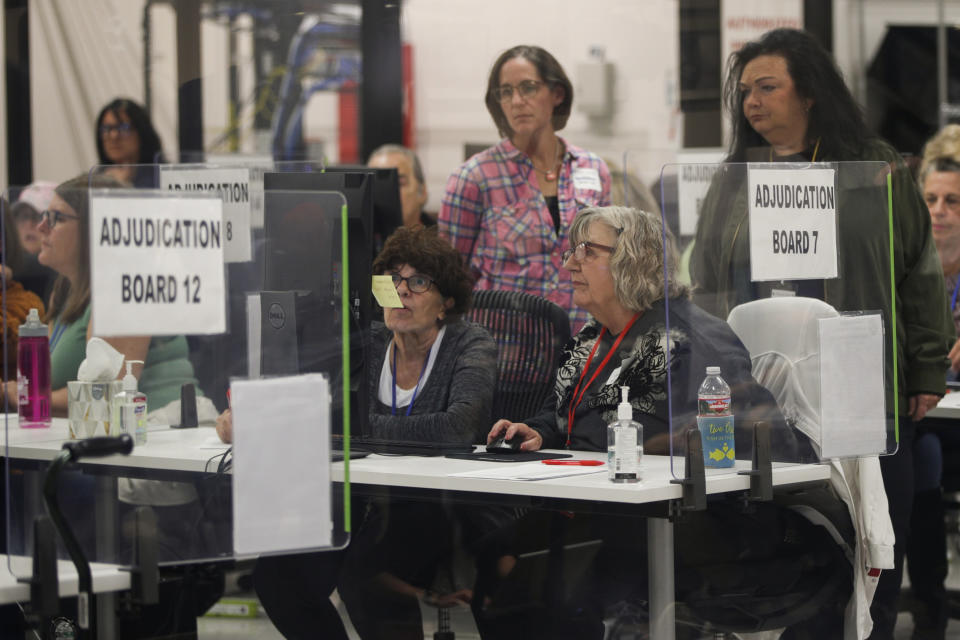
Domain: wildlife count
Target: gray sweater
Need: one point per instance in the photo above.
(456, 402)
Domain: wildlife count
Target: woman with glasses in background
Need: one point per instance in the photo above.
(507, 209)
(126, 136)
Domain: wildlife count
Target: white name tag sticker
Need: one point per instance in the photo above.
(235, 190)
(156, 265)
(793, 224)
(586, 178)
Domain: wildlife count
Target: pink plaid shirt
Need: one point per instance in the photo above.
(494, 214)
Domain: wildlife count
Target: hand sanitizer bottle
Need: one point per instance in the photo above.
(130, 407)
(624, 443)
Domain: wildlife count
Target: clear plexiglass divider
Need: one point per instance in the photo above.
(780, 275)
(146, 268)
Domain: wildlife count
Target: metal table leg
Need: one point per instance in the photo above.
(660, 570)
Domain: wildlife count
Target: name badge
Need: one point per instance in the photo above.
(588, 179)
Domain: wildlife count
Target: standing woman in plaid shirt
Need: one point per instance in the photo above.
(508, 208)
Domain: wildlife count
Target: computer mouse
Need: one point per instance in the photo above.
(501, 445)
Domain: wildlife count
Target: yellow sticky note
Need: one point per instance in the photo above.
(385, 292)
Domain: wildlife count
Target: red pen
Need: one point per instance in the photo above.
(575, 463)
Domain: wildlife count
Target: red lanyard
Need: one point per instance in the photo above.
(577, 399)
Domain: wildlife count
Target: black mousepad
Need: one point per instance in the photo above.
(525, 456)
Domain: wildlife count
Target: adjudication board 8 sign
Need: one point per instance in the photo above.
(156, 264)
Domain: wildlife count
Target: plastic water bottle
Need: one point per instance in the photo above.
(33, 373)
(624, 444)
(715, 420)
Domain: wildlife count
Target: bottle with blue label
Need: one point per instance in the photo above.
(624, 444)
(130, 407)
(715, 420)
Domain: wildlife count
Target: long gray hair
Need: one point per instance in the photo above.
(637, 263)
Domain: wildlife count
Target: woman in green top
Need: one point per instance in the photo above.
(64, 229)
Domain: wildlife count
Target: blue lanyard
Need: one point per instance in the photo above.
(59, 328)
(393, 406)
(953, 300)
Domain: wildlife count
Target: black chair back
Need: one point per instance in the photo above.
(530, 332)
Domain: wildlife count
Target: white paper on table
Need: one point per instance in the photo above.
(213, 442)
(281, 464)
(950, 401)
(529, 471)
(852, 412)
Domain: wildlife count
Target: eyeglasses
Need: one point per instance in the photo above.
(122, 129)
(527, 89)
(53, 217)
(416, 283)
(584, 252)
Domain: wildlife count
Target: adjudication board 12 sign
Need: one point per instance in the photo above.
(156, 264)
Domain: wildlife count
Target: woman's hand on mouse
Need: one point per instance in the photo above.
(509, 430)
(225, 426)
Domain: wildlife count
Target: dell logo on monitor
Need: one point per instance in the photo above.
(277, 316)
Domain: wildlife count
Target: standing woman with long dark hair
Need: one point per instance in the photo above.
(126, 136)
(788, 102)
(508, 208)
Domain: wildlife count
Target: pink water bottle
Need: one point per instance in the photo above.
(33, 373)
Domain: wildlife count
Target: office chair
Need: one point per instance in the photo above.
(782, 336)
(530, 332)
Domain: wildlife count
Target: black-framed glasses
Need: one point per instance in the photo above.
(526, 89)
(122, 129)
(417, 283)
(586, 251)
(53, 217)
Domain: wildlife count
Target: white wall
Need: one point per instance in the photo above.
(859, 27)
(85, 52)
(456, 41)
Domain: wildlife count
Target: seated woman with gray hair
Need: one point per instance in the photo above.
(616, 263)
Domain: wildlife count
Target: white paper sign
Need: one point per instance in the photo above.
(235, 190)
(793, 224)
(281, 467)
(852, 405)
(156, 265)
(693, 182)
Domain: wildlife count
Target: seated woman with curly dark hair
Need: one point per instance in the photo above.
(432, 377)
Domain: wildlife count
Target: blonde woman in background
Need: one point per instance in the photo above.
(939, 182)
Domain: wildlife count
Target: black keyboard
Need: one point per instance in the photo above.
(337, 455)
(401, 447)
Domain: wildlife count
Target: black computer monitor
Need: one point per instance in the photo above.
(387, 209)
(298, 242)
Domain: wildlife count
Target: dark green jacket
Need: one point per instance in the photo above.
(720, 265)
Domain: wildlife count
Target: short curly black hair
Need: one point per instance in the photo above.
(428, 253)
